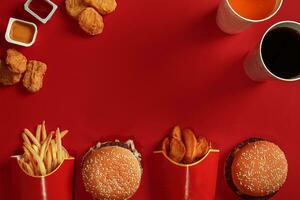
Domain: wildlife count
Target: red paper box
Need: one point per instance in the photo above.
(58, 185)
(196, 181)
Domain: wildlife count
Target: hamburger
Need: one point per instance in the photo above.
(112, 170)
(256, 169)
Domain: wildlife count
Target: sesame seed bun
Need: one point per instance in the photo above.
(256, 169)
(111, 171)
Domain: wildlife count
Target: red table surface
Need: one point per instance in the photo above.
(157, 64)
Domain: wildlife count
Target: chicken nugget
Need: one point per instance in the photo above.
(177, 150)
(102, 6)
(190, 143)
(74, 7)
(33, 78)
(91, 21)
(7, 77)
(16, 61)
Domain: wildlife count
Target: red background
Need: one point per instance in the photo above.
(157, 64)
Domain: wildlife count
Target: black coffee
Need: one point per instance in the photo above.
(281, 52)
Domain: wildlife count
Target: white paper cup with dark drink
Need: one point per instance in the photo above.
(234, 16)
(277, 56)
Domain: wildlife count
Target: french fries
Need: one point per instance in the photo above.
(44, 132)
(38, 132)
(43, 152)
(184, 147)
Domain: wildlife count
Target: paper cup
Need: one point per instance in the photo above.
(231, 22)
(58, 185)
(254, 65)
(196, 181)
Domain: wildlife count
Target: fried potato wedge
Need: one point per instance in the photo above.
(190, 143)
(177, 150)
(176, 133)
(202, 147)
(165, 147)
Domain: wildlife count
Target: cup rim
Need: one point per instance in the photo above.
(260, 51)
(254, 20)
(211, 150)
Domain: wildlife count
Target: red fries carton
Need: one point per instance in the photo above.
(58, 185)
(176, 181)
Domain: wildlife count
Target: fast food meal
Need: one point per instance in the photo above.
(15, 65)
(91, 21)
(89, 13)
(182, 146)
(102, 6)
(43, 152)
(112, 170)
(33, 78)
(256, 169)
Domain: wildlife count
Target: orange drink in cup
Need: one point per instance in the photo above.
(253, 9)
(234, 16)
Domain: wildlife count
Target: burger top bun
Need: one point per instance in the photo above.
(259, 169)
(111, 172)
